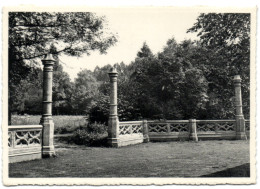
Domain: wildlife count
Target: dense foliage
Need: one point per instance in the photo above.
(90, 135)
(227, 40)
(33, 34)
(190, 79)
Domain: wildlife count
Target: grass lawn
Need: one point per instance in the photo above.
(165, 159)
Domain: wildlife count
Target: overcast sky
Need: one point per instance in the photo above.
(133, 27)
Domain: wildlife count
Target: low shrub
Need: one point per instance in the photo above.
(90, 135)
(65, 130)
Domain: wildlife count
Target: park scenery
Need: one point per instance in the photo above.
(177, 109)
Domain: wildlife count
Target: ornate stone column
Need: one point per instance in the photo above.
(240, 121)
(46, 120)
(145, 131)
(113, 122)
(193, 130)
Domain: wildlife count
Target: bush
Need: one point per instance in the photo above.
(91, 135)
(65, 130)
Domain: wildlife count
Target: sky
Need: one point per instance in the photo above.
(133, 27)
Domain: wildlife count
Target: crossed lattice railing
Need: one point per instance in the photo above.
(24, 136)
(215, 125)
(168, 126)
(177, 126)
(130, 127)
(191, 129)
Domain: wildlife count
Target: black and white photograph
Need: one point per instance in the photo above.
(111, 94)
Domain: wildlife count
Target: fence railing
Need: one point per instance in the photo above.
(168, 130)
(130, 127)
(132, 132)
(24, 142)
(168, 126)
(215, 125)
(203, 129)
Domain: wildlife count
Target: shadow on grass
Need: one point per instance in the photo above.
(239, 171)
(71, 139)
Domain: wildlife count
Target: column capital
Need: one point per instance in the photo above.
(48, 60)
(113, 72)
(237, 79)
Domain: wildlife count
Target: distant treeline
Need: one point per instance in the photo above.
(190, 79)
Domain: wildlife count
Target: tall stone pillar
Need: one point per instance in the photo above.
(240, 121)
(193, 130)
(46, 120)
(145, 131)
(113, 122)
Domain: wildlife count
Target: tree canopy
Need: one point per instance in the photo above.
(73, 33)
(226, 38)
(223, 29)
(34, 34)
(188, 79)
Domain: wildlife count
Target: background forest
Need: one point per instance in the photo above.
(190, 79)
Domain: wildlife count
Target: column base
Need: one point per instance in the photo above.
(241, 136)
(47, 137)
(146, 139)
(113, 142)
(48, 152)
(194, 137)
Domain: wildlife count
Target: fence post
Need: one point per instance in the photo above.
(168, 128)
(240, 121)
(193, 130)
(46, 119)
(145, 131)
(13, 138)
(113, 123)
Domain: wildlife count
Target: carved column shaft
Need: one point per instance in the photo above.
(193, 130)
(47, 88)
(145, 131)
(113, 123)
(46, 120)
(240, 121)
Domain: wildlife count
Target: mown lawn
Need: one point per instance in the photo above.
(166, 159)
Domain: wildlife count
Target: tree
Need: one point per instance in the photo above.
(224, 29)
(62, 90)
(76, 33)
(229, 35)
(183, 85)
(226, 37)
(27, 96)
(126, 110)
(99, 112)
(31, 35)
(85, 92)
(145, 51)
